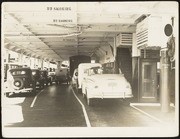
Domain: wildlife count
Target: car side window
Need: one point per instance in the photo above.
(18, 72)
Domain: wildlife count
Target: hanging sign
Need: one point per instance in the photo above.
(43, 12)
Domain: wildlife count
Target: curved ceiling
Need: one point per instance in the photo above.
(55, 31)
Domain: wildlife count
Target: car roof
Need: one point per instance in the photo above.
(89, 64)
(18, 69)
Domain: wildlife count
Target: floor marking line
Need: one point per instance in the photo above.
(149, 104)
(147, 114)
(84, 110)
(32, 104)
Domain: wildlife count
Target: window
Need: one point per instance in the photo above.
(147, 71)
(18, 72)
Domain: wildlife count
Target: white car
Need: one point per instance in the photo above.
(75, 78)
(82, 71)
(99, 85)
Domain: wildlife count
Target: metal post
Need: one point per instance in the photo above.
(164, 83)
(42, 64)
(114, 53)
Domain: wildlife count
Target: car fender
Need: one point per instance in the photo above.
(84, 88)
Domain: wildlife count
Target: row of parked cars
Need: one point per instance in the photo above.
(27, 80)
(92, 82)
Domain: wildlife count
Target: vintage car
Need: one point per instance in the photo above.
(75, 78)
(52, 75)
(62, 76)
(99, 85)
(38, 79)
(45, 77)
(19, 80)
(82, 72)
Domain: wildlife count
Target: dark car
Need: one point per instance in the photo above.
(20, 80)
(46, 78)
(38, 78)
(62, 76)
(75, 78)
(52, 75)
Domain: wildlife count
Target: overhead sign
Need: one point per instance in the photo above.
(46, 12)
(39, 6)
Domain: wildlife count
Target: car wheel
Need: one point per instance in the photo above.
(79, 90)
(7, 94)
(18, 83)
(83, 95)
(89, 100)
(34, 88)
(76, 86)
(126, 102)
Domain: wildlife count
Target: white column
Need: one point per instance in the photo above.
(6, 55)
(114, 51)
(135, 50)
(42, 64)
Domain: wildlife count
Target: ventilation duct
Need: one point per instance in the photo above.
(150, 32)
(124, 40)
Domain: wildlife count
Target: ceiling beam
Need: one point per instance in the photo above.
(19, 22)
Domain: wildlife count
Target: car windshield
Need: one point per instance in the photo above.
(95, 70)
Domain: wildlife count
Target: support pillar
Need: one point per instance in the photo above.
(42, 64)
(114, 53)
(164, 82)
(7, 57)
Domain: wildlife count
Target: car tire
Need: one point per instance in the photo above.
(89, 100)
(126, 102)
(34, 88)
(76, 86)
(20, 81)
(83, 95)
(79, 90)
(7, 94)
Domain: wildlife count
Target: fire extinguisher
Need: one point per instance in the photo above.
(171, 48)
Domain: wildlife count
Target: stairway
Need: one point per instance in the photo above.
(124, 62)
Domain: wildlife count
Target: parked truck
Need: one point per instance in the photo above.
(62, 75)
(74, 61)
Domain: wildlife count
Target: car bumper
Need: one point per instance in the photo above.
(110, 95)
(18, 91)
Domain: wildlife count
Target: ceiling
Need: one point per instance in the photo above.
(55, 31)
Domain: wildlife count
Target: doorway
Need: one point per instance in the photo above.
(148, 82)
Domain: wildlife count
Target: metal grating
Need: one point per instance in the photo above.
(124, 39)
(150, 53)
(142, 33)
